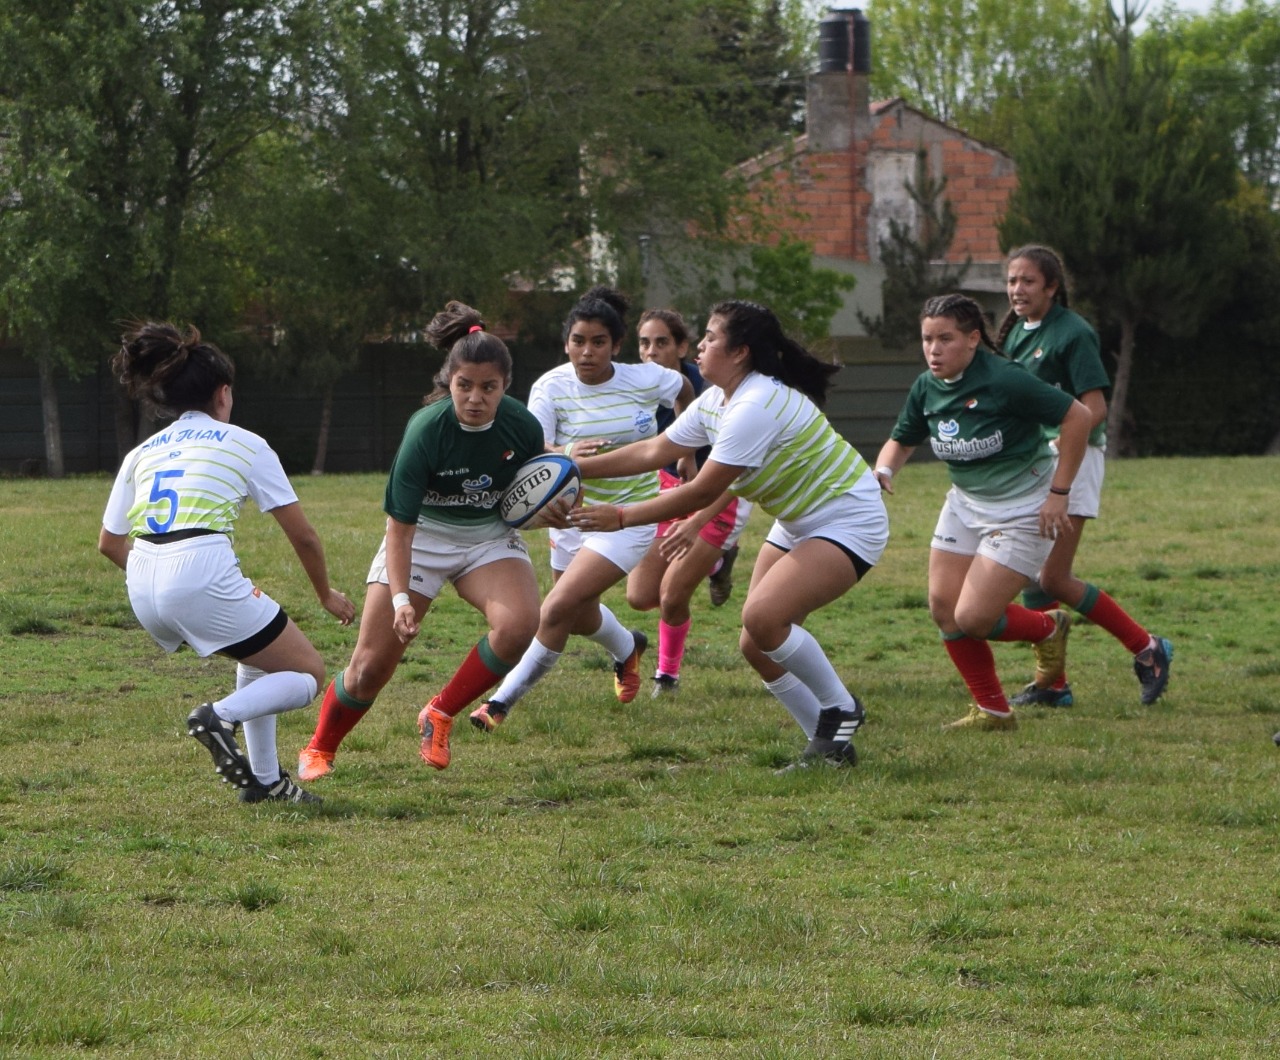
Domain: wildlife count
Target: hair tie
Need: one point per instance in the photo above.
(474, 328)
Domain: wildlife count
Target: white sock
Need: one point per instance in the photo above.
(613, 636)
(246, 674)
(268, 694)
(801, 704)
(260, 745)
(533, 666)
(802, 655)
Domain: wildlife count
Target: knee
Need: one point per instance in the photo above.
(977, 624)
(757, 659)
(366, 674)
(642, 598)
(557, 613)
(757, 622)
(942, 611)
(317, 672)
(511, 639)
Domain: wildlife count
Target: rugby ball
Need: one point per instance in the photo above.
(538, 482)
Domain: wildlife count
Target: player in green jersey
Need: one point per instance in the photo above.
(985, 417)
(1059, 346)
(455, 460)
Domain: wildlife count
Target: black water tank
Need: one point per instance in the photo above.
(835, 51)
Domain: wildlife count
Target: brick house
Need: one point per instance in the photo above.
(838, 185)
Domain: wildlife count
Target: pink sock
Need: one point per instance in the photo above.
(671, 646)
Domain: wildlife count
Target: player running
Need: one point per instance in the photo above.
(1059, 346)
(592, 397)
(168, 525)
(700, 546)
(985, 417)
(771, 444)
(459, 453)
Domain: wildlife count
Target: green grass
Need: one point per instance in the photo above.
(595, 880)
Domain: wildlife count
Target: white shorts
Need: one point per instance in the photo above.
(434, 560)
(857, 521)
(623, 548)
(1008, 533)
(740, 517)
(1086, 491)
(193, 592)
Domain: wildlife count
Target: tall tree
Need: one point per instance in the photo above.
(978, 64)
(1229, 61)
(1132, 185)
(117, 116)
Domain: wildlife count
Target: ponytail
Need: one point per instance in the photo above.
(460, 332)
(772, 352)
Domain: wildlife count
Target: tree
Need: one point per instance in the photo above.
(804, 297)
(1132, 186)
(117, 117)
(978, 64)
(1229, 62)
(456, 148)
(911, 255)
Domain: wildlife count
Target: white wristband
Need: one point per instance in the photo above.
(887, 472)
(400, 600)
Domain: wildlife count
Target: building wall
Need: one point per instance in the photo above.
(841, 202)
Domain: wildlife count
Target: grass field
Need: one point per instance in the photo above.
(596, 880)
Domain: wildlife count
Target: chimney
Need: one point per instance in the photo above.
(837, 98)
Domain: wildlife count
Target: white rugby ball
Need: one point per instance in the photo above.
(541, 480)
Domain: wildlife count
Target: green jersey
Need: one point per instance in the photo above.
(988, 425)
(447, 476)
(1063, 351)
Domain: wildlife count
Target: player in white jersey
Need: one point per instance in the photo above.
(169, 523)
(771, 444)
(592, 397)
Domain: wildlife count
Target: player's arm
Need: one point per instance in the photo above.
(649, 454)
(707, 486)
(1073, 440)
(686, 396)
(1096, 402)
(115, 547)
(684, 532)
(893, 455)
(399, 561)
(306, 543)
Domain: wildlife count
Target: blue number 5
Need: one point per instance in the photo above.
(158, 495)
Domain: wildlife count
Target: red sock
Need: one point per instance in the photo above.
(335, 721)
(977, 665)
(1115, 620)
(471, 680)
(1021, 623)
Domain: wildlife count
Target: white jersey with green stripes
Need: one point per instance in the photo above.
(793, 460)
(622, 409)
(195, 474)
